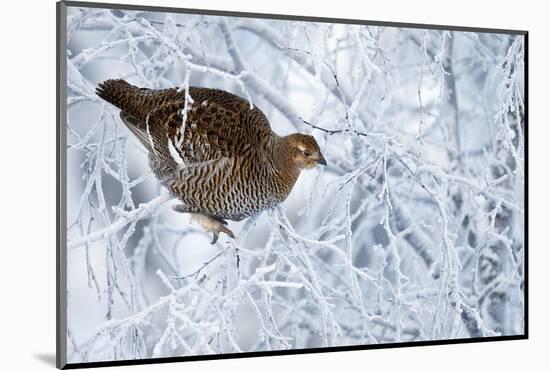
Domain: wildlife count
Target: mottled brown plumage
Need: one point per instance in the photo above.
(227, 164)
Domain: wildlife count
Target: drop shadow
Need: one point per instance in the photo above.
(47, 358)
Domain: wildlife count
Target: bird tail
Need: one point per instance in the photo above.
(131, 99)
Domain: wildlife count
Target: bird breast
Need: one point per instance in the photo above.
(230, 188)
(254, 185)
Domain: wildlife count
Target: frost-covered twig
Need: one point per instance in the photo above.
(124, 219)
(369, 258)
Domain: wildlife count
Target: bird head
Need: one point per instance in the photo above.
(304, 151)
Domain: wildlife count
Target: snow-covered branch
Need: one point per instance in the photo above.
(414, 230)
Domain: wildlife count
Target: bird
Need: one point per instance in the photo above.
(222, 161)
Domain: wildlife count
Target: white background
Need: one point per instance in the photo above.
(27, 188)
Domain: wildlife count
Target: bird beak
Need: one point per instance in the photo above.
(322, 161)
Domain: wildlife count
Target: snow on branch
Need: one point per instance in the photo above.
(414, 230)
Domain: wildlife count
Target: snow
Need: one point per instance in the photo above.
(414, 231)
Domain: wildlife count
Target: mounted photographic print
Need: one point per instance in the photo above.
(236, 184)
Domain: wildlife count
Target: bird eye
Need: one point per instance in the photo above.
(307, 154)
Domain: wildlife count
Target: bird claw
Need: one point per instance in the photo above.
(214, 225)
(220, 229)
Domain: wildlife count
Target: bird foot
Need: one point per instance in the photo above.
(213, 225)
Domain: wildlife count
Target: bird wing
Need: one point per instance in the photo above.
(221, 124)
(218, 124)
(151, 131)
(211, 132)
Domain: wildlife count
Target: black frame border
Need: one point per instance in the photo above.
(61, 172)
